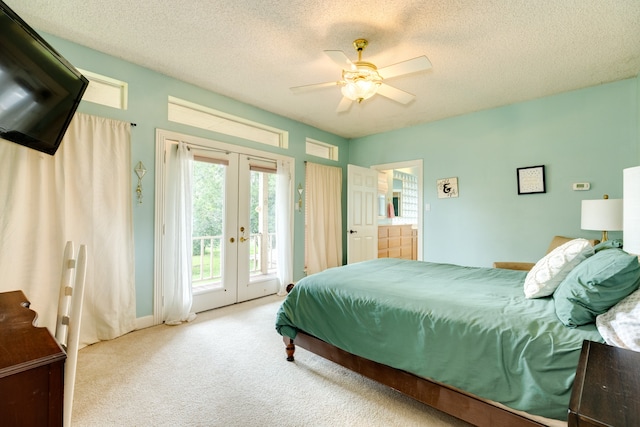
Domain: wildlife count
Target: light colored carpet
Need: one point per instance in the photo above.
(228, 368)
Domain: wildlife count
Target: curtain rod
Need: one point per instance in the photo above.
(264, 159)
(133, 124)
(191, 145)
(219, 150)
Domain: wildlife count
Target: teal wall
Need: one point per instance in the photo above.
(585, 135)
(147, 107)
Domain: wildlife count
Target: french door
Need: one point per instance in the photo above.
(233, 229)
(234, 254)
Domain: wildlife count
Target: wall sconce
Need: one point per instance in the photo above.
(140, 171)
(300, 190)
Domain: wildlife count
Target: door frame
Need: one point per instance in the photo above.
(417, 164)
(162, 136)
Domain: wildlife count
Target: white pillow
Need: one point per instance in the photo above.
(550, 271)
(620, 326)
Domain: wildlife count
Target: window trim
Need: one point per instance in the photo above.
(332, 150)
(235, 126)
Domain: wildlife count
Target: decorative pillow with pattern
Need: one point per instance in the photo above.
(620, 326)
(550, 271)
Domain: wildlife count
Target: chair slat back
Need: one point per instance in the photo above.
(73, 336)
(66, 294)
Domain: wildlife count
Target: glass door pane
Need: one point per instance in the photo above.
(208, 224)
(256, 256)
(215, 204)
(262, 255)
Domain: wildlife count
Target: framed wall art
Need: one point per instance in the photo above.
(447, 188)
(531, 180)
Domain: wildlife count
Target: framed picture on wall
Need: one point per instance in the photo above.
(531, 180)
(447, 187)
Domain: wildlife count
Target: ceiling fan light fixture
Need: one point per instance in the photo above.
(361, 83)
(361, 80)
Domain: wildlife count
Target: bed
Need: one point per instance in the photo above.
(464, 340)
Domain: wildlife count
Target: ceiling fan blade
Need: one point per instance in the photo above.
(395, 94)
(421, 63)
(305, 88)
(341, 59)
(344, 105)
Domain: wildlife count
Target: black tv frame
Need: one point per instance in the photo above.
(49, 147)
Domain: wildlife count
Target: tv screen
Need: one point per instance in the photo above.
(39, 89)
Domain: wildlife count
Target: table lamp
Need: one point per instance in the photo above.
(603, 215)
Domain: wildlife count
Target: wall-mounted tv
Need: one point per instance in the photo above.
(39, 89)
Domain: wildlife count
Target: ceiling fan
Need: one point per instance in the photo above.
(361, 80)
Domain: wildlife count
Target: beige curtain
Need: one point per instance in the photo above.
(82, 193)
(323, 240)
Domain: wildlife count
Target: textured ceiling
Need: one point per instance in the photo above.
(485, 53)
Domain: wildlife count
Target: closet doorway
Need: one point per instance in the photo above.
(400, 201)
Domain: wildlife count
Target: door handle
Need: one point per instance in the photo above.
(352, 231)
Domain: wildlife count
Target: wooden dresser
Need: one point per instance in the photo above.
(31, 367)
(397, 241)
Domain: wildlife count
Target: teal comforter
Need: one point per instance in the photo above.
(471, 328)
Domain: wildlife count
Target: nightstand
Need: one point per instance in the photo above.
(606, 390)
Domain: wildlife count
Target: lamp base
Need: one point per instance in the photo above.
(605, 236)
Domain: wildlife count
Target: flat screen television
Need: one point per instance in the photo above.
(39, 89)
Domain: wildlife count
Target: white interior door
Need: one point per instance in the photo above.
(362, 215)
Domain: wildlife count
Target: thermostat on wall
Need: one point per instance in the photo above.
(581, 186)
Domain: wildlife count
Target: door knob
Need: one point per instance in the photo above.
(352, 231)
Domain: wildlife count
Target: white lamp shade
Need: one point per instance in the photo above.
(602, 215)
(631, 215)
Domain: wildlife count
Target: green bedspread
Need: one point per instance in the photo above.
(468, 327)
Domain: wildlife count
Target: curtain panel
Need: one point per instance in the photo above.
(82, 193)
(178, 285)
(323, 237)
(284, 225)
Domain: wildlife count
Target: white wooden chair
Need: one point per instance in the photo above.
(69, 317)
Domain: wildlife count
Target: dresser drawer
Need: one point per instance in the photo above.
(394, 253)
(394, 231)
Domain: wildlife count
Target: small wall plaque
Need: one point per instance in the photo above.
(447, 188)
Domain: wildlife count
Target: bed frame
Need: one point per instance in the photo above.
(452, 401)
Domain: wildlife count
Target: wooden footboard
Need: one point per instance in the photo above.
(452, 401)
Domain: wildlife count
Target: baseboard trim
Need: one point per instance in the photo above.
(144, 322)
